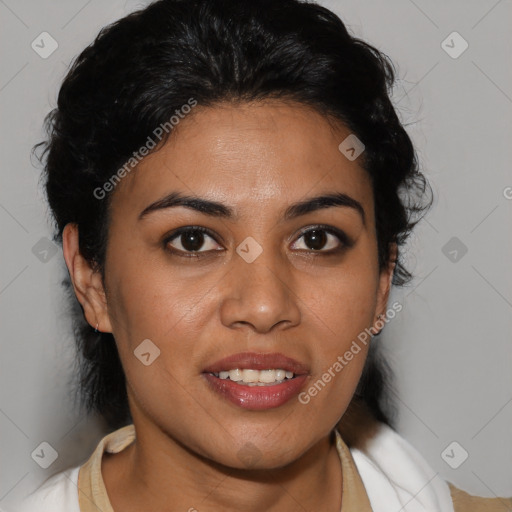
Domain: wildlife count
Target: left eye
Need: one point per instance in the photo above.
(321, 239)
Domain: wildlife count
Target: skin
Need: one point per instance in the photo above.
(257, 159)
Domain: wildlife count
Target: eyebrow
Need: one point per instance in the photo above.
(220, 210)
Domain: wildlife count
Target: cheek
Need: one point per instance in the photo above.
(343, 303)
(153, 299)
(154, 302)
(155, 324)
(341, 308)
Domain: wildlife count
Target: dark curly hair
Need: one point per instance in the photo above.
(142, 68)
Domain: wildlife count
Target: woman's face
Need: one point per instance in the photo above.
(254, 282)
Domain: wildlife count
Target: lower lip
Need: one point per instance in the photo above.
(256, 398)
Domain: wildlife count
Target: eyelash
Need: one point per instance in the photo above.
(344, 240)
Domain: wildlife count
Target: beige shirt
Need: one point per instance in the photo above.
(92, 494)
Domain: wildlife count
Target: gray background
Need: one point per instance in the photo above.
(450, 346)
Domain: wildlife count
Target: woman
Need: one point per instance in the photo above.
(232, 189)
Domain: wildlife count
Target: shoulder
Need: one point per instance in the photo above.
(464, 502)
(58, 493)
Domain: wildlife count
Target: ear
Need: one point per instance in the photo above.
(384, 287)
(87, 283)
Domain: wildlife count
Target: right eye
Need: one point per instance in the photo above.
(189, 240)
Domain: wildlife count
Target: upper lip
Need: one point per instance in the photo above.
(258, 361)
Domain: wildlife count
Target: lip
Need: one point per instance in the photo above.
(256, 361)
(257, 397)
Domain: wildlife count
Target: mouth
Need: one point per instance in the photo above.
(257, 381)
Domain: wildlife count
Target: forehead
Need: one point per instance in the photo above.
(248, 155)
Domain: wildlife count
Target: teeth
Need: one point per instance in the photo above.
(235, 375)
(255, 377)
(270, 375)
(250, 375)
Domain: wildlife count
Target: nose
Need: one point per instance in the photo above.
(259, 295)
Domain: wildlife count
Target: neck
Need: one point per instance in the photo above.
(158, 473)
